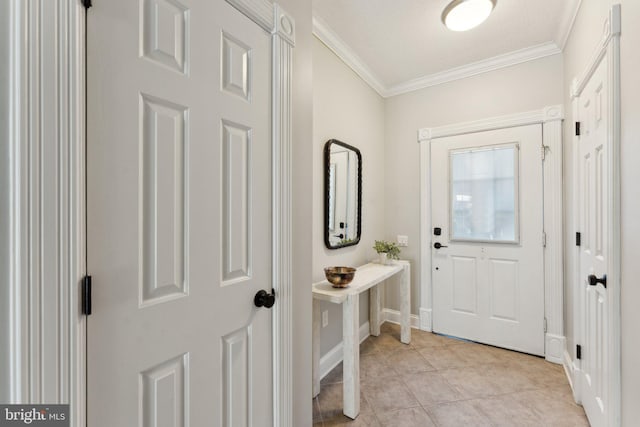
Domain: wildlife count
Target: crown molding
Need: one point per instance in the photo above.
(475, 68)
(330, 39)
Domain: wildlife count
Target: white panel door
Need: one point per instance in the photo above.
(593, 196)
(487, 256)
(179, 215)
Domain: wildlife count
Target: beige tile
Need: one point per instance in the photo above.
(317, 416)
(331, 402)
(430, 388)
(368, 346)
(334, 376)
(474, 354)
(388, 327)
(503, 411)
(540, 372)
(388, 394)
(422, 339)
(458, 414)
(552, 411)
(457, 383)
(374, 366)
(362, 420)
(443, 357)
(408, 362)
(471, 382)
(410, 417)
(506, 378)
(387, 342)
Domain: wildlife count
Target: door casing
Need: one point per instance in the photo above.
(551, 119)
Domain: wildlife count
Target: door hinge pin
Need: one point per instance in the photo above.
(578, 238)
(86, 295)
(577, 128)
(545, 325)
(543, 151)
(544, 239)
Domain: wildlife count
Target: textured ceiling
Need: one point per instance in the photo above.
(403, 40)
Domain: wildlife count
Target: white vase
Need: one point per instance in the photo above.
(383, 259)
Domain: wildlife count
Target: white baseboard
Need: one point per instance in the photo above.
(393, 316)
(334, 356)
(426, 322)
(572, 372)
(554, 347)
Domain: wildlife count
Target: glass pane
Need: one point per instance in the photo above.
(484, 194)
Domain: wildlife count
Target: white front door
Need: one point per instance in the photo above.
(179, 215)
(593, 196)
(487, 237)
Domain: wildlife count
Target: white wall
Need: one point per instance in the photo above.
(347, 109)
(584, 37)
(523, 87)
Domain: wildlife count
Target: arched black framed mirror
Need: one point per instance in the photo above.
(343, 194)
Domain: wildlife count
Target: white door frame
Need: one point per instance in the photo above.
(609, 46)
(47, 76)
(551, 120)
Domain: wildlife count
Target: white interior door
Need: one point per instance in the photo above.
(487, 237)
(179, 215)
(593, 195)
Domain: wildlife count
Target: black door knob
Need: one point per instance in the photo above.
(438, 245)
(593, 280)
(263, 299)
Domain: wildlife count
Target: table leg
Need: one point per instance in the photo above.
(316, 347)
(374, 310)
(405, 305)
(351, 356)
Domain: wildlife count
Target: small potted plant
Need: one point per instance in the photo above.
(387, 251)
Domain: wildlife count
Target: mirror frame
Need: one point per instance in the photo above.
(327, 166)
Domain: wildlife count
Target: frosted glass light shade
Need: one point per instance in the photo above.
(463, 15)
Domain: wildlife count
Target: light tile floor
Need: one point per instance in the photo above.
(440, 381)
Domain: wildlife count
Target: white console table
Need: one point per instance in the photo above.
(366, 278)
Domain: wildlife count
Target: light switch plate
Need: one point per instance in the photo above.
(403, 241)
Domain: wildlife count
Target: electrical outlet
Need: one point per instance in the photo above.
(403, 241)
(325, 318)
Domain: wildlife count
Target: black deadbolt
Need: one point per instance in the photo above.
(437, 231)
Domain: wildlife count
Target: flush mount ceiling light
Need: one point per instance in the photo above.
(463, 15)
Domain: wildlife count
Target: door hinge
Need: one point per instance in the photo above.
(543, 151)
(86, 295)
(544, 239)
(86, 3)
(578, 238)
(545, 325)
(577, 128)
(578, 351)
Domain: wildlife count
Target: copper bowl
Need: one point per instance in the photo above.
(340, 277)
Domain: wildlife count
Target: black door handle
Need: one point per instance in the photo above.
(438, 245)
(593, 280)
(339, 235)
(263, 299)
